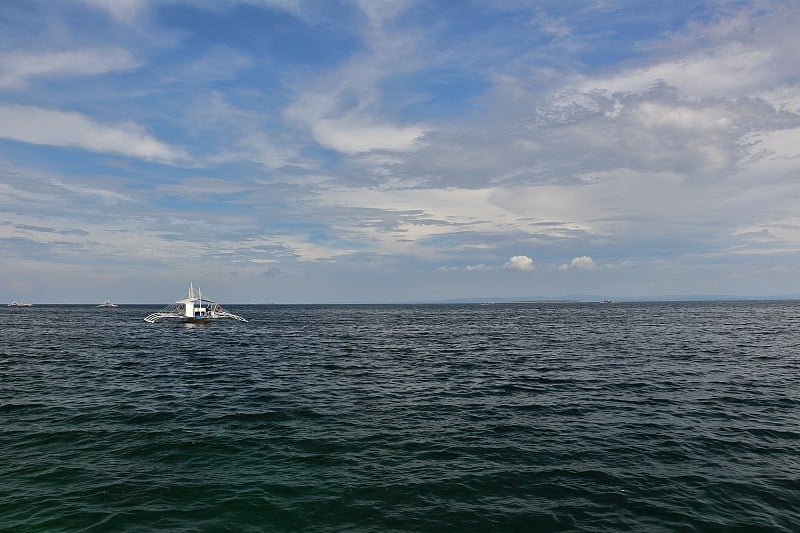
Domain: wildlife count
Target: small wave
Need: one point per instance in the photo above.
(153, 417)
(264, 416)
(13, 407)
(270, 416)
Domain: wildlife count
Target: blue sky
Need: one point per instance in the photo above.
(389, 151)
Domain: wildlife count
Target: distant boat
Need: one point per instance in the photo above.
(608, 301)
(107, 303)
(20, 304)
(193, 308)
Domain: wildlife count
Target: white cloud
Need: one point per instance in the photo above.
(301, 247)
(519, 262)
(258, 148)
(779, 144)
(16, 68)
(125, 11)
(353, 137)
(378, 12)
(583, 262)
(203, 187)
(481, 266)
(241, 133)
(551, 26)
(345, 107)
(719, 73)
(738, 55)
(658, 115)
(783, 98)
(104, 195)
(417, 217)
(36, 125)
(625, 263)
(776, 235)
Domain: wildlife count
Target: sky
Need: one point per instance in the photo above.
(393, 151)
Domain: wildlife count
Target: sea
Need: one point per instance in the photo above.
(665, 416)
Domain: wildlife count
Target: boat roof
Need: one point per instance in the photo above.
(191, 300)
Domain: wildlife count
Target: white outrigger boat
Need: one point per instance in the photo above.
(193, 308)
(107, 303)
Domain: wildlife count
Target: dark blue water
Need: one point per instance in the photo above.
(643, 417)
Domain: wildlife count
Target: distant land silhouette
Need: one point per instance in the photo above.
(574, 298)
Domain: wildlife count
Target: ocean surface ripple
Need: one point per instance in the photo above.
(581, 417)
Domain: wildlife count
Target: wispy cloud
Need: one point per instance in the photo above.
(343, 109)
(37, 125)
(18, 67)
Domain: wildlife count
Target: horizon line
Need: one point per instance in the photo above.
(488, 300)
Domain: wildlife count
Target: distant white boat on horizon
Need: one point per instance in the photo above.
(193, 308)
(24, 303)
(107, 303)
